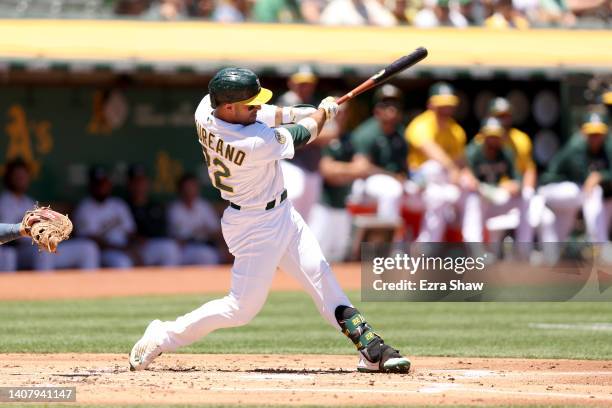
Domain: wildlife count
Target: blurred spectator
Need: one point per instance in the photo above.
(194, 223)
(301, 174)
(232, 11)
(106, 220)
(357, 12)
(168, 10)
(338, 169)
(436, 160)
(311, 10)
(401, 11)
(276, 11)
(505, 16)
(498, 183)
(302, 85)
(206, 9)
(580, 175)
(14, 202)
(379, 145)
(555, 12)
(592, 13)
(154, 248)
(131, 7)
(438, 13)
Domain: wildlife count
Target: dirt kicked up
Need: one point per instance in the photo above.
(312, 379)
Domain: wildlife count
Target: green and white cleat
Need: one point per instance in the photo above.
(391, 362)
(147, 348)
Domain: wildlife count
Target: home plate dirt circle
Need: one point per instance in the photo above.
(312, 379)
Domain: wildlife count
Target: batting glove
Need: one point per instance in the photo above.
(330, 107)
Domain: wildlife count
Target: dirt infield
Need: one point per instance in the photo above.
(142, 281)
(278, 379)
(312, 379)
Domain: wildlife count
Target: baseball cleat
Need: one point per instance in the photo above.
(147, 348)
(392, 362)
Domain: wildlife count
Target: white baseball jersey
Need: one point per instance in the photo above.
(243, 160)
(13, 208)
(110, 219)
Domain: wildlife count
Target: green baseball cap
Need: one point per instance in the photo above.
(594, 124)
(237, 85)
(442, 94)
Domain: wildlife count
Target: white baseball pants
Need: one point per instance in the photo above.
(332, 229)
(260, 241)
(566, 198)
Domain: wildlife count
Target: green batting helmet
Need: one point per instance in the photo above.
(237, 85)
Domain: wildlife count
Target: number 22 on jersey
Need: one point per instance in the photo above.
(220, 170)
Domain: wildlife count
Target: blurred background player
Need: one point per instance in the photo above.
(302, 173)
(580, 175)
(380, 149)
(496, 180)
(106, 220)
(14, 202)
(519, 143)
(194, 223)
(436, 160)
(330, 220)
(154, 248)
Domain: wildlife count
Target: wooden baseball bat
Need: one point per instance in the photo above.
(386, 73)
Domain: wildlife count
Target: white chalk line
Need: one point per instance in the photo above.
(572, 326)
(430, 390)
(279, 376)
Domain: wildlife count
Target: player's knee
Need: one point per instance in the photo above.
(242, 313)
(90, 255)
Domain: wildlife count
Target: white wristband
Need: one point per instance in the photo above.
(311, 125)
(287, 115)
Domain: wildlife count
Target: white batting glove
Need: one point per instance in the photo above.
(330, 107)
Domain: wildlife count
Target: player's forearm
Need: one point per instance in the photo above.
(10, 232)
(435, 152)
(530, 178)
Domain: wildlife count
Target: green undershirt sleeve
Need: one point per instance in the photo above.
(300, 135)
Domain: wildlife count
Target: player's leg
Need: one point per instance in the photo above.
(334, 242)
(595, 217)
(199, 254)
(388, 194)
(473, 211)
(564, 200)
(80, 253)
(8, 259)
(160, 251)
(257, 242)
(303, 260)
(115, 258)
(29, 257)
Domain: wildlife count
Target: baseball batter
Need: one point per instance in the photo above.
(242, 144)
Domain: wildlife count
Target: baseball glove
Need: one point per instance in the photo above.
(46, 227)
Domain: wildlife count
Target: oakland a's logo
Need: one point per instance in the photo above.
(279, 138)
